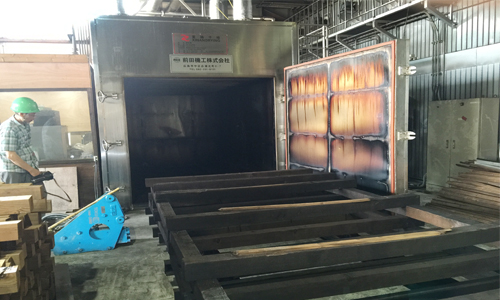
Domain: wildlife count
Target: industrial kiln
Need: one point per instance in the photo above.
(348, 114)
(188, 97)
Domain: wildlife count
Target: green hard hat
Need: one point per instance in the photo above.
(24, 105)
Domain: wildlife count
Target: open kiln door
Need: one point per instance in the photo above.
(348, 114)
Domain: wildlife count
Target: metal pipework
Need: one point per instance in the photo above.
(242, 10)
(217, 9)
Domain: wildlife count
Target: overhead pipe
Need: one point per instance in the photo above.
(217, 9)
(202, 8)
(152, 5)
(242, 10)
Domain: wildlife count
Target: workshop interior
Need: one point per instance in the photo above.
(284, 149)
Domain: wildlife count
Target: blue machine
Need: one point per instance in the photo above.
(98, 227)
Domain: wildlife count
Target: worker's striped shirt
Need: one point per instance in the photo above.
(16, 136)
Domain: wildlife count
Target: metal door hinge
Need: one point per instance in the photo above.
(407, 70)
(101, 97)
(406, 135)
(107, 145)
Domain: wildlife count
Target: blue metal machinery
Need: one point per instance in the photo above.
(98, 227)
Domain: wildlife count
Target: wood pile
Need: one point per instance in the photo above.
(474, 194)
(26, 265)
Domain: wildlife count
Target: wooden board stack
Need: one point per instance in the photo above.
(474, 194)
(25, 244)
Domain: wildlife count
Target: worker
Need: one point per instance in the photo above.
(18, 162)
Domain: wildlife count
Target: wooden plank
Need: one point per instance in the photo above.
(209, 290)
(350, 242)
(291, 233)
(470, 197)
(40, 205)
(239, 182)
(31, 234)
(431, 216)
(152, 181)
(224, 195)
(35, 218)
(274, 224)
(221, 219)
(18, 256)
(467, 206)
(46, 58)
(360, 280)
(20, 189)
(11, 230)
(296, 205)
(49, 239)
(165, 211)
(49, 206)
(16, 204)
(229, 265)
(45, 76)
(10, 281)
(476, 187)
(321, 196)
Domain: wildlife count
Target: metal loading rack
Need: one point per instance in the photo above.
(298, 235)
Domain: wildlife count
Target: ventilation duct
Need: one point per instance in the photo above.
(133, 7)
(242, 10)
(217, 9)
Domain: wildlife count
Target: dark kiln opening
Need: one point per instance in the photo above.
(198, 126)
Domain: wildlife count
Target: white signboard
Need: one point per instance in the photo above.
(201, 63)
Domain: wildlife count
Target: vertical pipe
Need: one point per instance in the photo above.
(242, 10)
(202, 8)
(217, 9)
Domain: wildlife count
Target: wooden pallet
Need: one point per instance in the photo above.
(262, 241)
(26, 242)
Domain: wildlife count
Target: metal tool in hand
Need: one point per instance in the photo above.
(46, 176)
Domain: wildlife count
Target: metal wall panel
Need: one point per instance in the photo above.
(140, 47)
(471, 64)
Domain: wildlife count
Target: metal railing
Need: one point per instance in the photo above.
(323, 18)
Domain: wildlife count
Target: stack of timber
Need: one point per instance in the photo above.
(25, 246)
(296, 235)
(474, 194)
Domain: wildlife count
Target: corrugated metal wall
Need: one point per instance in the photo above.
(465, 76)
(465, 73)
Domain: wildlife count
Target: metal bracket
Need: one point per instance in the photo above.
(282, 136)
(407, 70)
(101, 97)
(376, 26)
(107, 145)
(188, 7)
(406, 135)
(340, 41)
(432, 10)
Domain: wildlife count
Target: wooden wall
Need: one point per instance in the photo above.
(44, 71)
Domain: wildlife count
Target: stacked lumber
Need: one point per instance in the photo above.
(40, 203)
(474, 194)
(25, 247)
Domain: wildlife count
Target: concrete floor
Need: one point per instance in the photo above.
(136, 271)
(133, 271)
